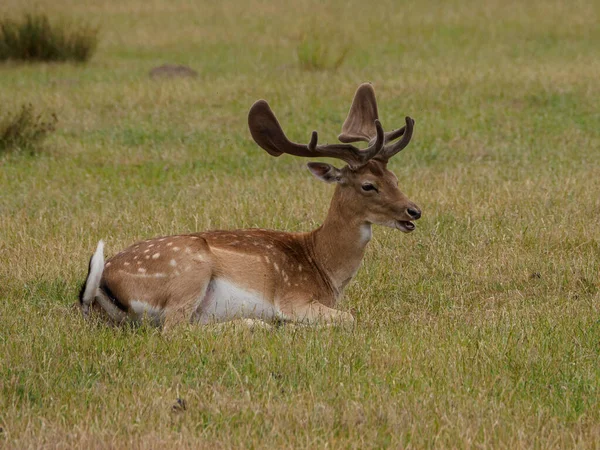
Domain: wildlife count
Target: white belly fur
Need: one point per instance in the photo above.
(225, 301)
(140, 310)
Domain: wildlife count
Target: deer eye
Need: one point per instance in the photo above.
(369, 187)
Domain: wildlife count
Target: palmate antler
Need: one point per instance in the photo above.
(267, 133)
(358, 125)
(362, 124)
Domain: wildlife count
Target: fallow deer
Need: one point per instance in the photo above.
(216, 276)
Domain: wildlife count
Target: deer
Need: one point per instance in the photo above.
(266, 275)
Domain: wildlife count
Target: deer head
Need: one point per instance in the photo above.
(366, 189)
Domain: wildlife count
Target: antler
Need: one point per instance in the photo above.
(358, 125)
(267, 133)
(391, 149)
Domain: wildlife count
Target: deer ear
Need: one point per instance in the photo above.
(325, 172)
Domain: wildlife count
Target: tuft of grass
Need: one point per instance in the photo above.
(315, 53)
(25, 130)
(35, 39)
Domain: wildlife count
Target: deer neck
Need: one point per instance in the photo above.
(339, 244)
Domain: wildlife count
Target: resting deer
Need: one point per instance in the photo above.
(216, 276)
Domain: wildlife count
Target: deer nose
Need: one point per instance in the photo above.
(414, 213)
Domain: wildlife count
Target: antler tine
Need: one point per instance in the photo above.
(377, 146)
(391, 149)
(352, 155)
(390, 136)
(395, 134)
(267, 133)
(314, 138)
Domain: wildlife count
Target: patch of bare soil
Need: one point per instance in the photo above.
(172, 71)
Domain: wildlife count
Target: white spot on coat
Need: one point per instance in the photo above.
(141, 270)
(173, 262)
(155, 256)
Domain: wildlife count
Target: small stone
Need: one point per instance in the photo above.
(172, 71)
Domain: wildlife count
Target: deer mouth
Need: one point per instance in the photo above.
(406, 226)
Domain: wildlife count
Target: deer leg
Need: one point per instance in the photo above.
(315, 313)
(250, 324)
(108, 309)
(187, 296)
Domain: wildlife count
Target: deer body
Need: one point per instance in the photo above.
(217, 276)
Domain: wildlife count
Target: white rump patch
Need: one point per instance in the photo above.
(225, 301)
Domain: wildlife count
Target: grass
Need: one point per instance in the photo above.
(318, 53)
(24, 130)
(480, 329)
(34, 38)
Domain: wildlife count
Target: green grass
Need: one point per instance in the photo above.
(24, 130)
(480, 329)
(34, 38)
(316, 51)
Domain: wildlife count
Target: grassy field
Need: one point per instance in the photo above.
(480, 329)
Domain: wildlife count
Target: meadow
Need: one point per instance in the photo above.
(481, 329)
